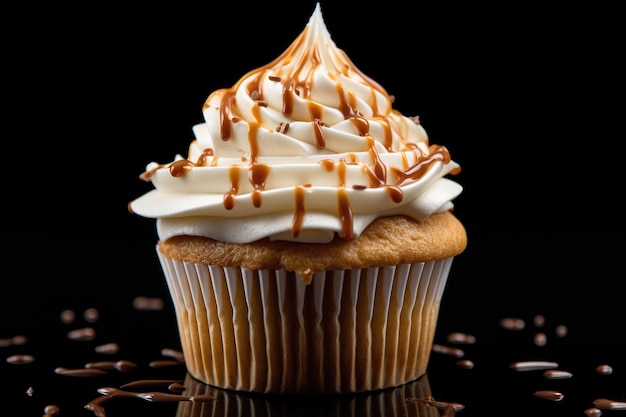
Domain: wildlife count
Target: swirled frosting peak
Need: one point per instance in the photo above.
(302, 149)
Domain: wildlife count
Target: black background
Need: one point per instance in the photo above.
(526, 98)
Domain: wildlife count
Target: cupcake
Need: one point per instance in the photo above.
(307, 237)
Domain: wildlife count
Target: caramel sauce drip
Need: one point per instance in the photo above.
(228, 101)
(361, 124)
(344, 208)
(344, 107)
(202, 158)
(229, 197)
(388, 140)
(298, 215)
(377, 168)
(319, 135)
(395, 193)
(178, 168)
(327, 164)
(291, 84)
(405, 160)
(345, 214)
(257, 174)
(341, 173)
(376, 171)
(252, 139)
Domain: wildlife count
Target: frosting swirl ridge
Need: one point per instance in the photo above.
(301, 149)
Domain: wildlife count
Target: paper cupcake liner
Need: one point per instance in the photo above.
(394, 402)
(267, 331)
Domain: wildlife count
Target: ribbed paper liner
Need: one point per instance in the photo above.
(389, 403)
(267, 331)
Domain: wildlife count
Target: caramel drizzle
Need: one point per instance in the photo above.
(298, 217)
(343, 203)
(361, 124)
(376, 172)
(416, 171)
(345, 214)
(299, 83)
(228, 101)
(229, 197)
(257, 174)
(179, 168)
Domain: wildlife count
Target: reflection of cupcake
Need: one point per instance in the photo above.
(307, 238)
(391, 402)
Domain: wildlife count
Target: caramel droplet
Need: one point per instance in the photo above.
(108, 348)
(142, 303)
(466, 363)
(446, 350)
(174, 354)
(561, 330)
(540, 339)
(125, 366)
(84, 334)
(67, 316)
(555, 374)
(534, 365)
(461, 338)
(176, 387)
(20, 359)
(593, 412)
(51, 409)
(101, 365)
(19, 340)
(91, 315)
(549, 395)
(164, 363)
(86, 372)
(607, 404)
(512, 323)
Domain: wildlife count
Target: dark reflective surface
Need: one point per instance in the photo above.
(517, 93)
(526, 279)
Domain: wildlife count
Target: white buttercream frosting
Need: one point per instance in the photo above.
(300, 149)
